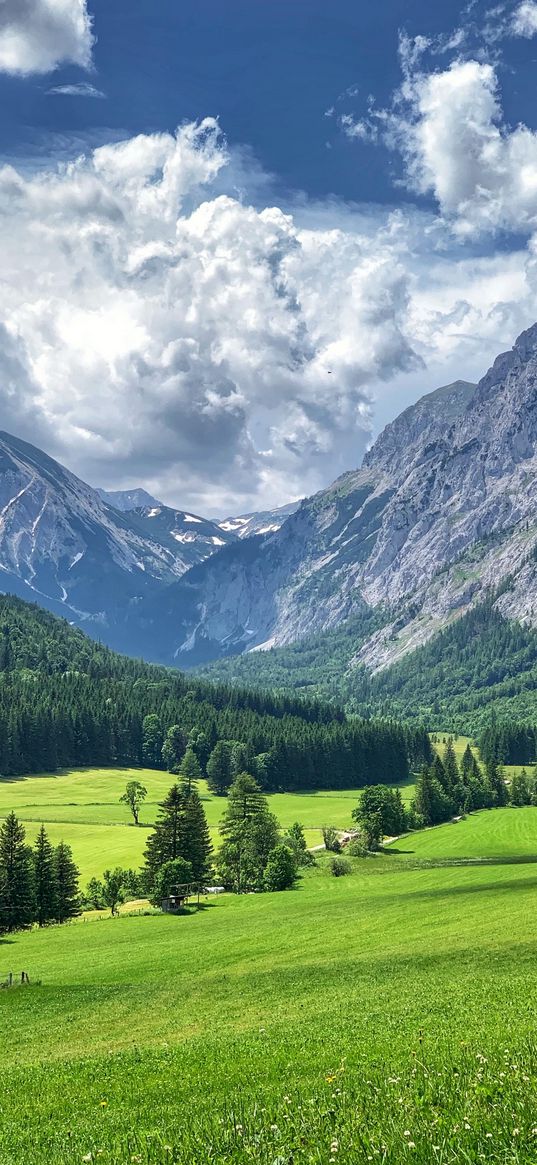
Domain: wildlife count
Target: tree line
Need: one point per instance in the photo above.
(444, 789)
(67, 701)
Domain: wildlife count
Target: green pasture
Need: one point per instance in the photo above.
(491, 833)
(81, 806)
(387, 1015)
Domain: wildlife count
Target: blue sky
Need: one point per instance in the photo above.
(269, 69)
(229, 314)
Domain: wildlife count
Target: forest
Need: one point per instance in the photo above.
(66, 700)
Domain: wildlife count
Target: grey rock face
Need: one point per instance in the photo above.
(442, 509)
(63, 546)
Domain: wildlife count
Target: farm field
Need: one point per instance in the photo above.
(383, 1013)
(81, 806)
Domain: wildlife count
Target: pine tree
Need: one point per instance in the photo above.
(451, 769)
(67, 875)
(219, 768)
(44, 879)
(174, 747)
(190, 770)
(17, 909)
(164, 843)
(250, 833)
(195, 842)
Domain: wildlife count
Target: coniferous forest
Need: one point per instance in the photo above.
(66, 700)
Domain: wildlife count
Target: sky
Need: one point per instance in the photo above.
(238, 239)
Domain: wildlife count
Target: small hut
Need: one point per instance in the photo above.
(179, 896)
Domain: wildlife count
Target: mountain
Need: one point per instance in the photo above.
(264, 522)
(308, 576)
(62, 544)
(442, 509)
(192, 538)
(128, 499)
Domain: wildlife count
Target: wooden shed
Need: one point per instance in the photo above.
(179, 896)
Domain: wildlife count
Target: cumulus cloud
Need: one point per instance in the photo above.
(159, 328)
(38, 35)
(456, 146)
(168, 331)
(524, 21)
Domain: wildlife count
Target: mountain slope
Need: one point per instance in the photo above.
(128, 499)
(264, 522)
(308, 576)
(442, 509)
(482, 663)
(60, 542)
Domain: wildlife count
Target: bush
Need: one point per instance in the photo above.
(281, 869)
(357, 848)
(331, 840)
(339, 867)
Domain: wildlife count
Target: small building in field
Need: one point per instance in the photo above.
(179, 896)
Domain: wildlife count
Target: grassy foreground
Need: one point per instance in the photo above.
(385, 1016)
(81, 806)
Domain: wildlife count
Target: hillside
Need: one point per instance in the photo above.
(480, 664)
(66, 700)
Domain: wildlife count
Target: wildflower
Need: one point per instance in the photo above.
(516, 1132)
(274, 1128)
(466, 1125)
(104, 1103)
(334, 1146)
(488, 1136)
(406, 1133)
(88, 1157)
(411, 1144)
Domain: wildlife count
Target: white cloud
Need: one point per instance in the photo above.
(456, 146)
(82, 89)
(158, 328)
(169, 332)
(38, 35)
(524, 22)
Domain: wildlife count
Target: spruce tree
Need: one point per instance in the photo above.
(67, 875)
(451, 769)
(219, 768)
(164, 843)
(467, 763)
(44, 879)
(174, 747)
(17, 907)
(250, 833)
(195, 842)
(190, 770)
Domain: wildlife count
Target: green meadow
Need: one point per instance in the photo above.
(387, 1016)
(81, 807)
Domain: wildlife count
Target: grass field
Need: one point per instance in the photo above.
(369, 1017)
(491, 833)
(81, 806)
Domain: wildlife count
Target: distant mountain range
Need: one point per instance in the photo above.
(442, 511)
